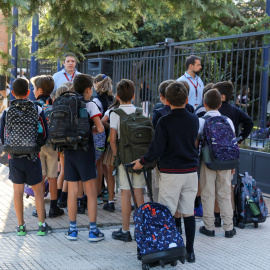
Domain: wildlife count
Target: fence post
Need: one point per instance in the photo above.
(34, 49)
(169, 59)
(14, 51)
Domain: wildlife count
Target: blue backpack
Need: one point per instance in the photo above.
(219, 145)
(155, 229)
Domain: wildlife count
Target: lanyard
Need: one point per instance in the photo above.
(195, 86)
(71, 77)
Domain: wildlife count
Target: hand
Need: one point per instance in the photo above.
(233, 171)
(137, 165)
(94, 130)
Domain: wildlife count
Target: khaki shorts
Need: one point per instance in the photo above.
(137, 180)
(178, 192)
(49, 161)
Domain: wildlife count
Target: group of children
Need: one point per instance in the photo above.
(175, 145)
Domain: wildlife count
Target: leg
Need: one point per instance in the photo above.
(223, 187)
(139, 196)
(126, 208)
(91, 192)
(207, 182)
(73, 189)
(60, 179)
(110, 183)
(155, 183)
(99, 175)
(18, 202)
(39, 200)
(53, 187)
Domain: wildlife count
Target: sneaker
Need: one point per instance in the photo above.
(119, 235)
(71, 235)
(44, 230)
(109, 207)
(35, 214)
(56, 212)
(198, 211)
(62, 204)
(95, 236)
(105, 197)
(99, 200)
(21, 230)
(80, 207)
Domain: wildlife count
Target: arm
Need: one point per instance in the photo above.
(247, 124)
(113, 139)
(104, 121)
(98, 124)
(155, 118)
(2, 127)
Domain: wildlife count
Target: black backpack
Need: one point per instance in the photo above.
(106, 102)
(69, 123)
(22, 128)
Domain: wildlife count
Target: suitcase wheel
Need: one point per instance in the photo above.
(145, 266)
(162, 263)
(256, 225)
(174, 263)
(182, 260)
(241, 225)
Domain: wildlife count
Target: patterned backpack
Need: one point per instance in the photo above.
(22, 125)
(249, 188)
(155, 229)
(219, 145)
(47, 108)
(99, 144)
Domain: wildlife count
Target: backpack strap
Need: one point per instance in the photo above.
(120, 112)
(139, 111)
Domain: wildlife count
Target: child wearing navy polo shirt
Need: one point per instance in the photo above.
(80, 166)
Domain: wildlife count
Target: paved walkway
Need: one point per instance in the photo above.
(249, 249)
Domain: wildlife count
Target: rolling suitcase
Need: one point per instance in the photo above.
(158, 241)
(250, 206)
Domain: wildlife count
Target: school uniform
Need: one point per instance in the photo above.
(80, 165)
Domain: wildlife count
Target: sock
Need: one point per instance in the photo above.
(59, 191)
(93, 226)
(197, 202)
(63, 196)
(73, 226)
(124, 231)
(53, 204)
(190, 227)
(217, 214)
(111, 201)
(42, 224)
(177, 222)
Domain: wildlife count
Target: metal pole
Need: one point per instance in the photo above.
(265, 80)
(14, 51)
(34, 49)
(59, 65)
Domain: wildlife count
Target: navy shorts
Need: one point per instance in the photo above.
(80, 165)
(25, 171)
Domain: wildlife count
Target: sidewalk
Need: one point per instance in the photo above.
(249, 249)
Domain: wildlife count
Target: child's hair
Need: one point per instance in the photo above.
(81, 82)
(225, 88)
(115, 104)
(190, 60)
(69, 85)
(185, 83)
(207, 88)
(176, 94)
(60, 90)
(244, 91)
(53, 93)
(212, 99)
(103, 84)
(45, 82)
(20, 87)
(125, 90)
(162, 87)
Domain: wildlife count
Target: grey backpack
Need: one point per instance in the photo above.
(21, 131)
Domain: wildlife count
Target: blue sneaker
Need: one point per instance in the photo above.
(198, 211)
(71, 235)
(95, 236)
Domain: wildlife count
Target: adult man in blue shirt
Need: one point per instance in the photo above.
(193, 68)
(68, 72)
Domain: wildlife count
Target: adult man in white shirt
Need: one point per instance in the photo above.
(68, 72)
(193, 68)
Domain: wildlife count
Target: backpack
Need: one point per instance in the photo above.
(136, 133)
(29, 191)
(22, 128)
(47, 108)
(99, 143)
(155, 229)
(219, 145)
(106, 102)
(69, 124)
(249, 188)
